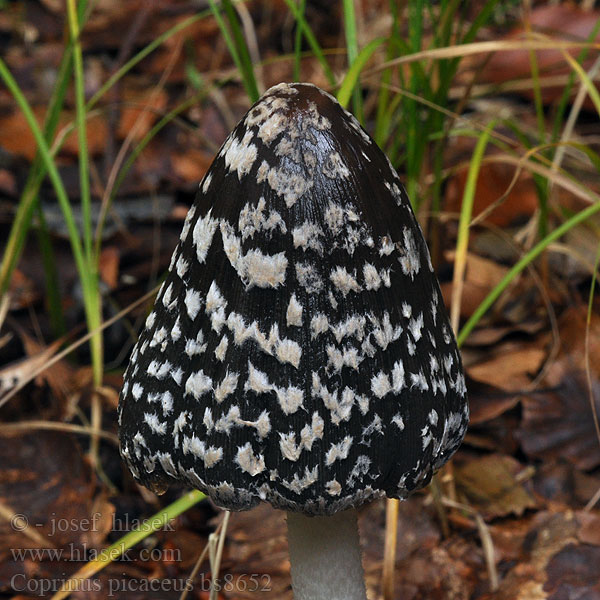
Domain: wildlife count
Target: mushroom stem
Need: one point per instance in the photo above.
(325, 557)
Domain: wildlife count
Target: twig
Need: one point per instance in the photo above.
(190, 580)
(75, 345)
(19, 522)
(215, 552)
(58, 426)
(389, 551)
(487, 543)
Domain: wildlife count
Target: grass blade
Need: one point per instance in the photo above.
(564, 99)
(383, 115)
(54, 300)
(351, 78)
(585, 80)
(132, 62)
(352, 51)
(466, 213)
(91, 301)
(22, 221)
(525, 261)
(350, 30)
(474, 48)
(80, 119)
(298, 43)
(588, 368)
(116, 550)
(89, 279)
(48, 161)
(247, 68)
(37, 172)
(233, 48)
(193, 100)
(312, 41)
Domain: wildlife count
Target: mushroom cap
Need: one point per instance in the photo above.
(299, 351)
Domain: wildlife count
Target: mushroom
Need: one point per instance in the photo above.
(299, 352)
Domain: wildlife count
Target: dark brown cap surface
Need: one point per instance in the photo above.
(299, 351)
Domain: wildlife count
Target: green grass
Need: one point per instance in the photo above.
(307, 33)
(44, 165)
(466, 215)
(350, 30)
(298, 42)
(412, 125)
(522, 264)
(129, 540)
(89, 275)
(238, 48)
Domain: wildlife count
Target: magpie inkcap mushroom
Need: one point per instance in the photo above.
(299, 351)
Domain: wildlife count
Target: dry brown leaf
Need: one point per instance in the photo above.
(559, 424)
(44, 477)
(492, 485)
(589, 532)
(481, 276)
(203, 36)
(486, 336)
(191, 164)
(564, 21)
(510, 367)
(23, 292)
(548, 535)
(573, 573)
(59, 377)
(487, 402)
(494, 180)
(58, 6)
(572, 330)
(508, 537)
(109, 266)
(16, 137)
(257, 543)
(140, 110)
(558, 482)
(8, 183)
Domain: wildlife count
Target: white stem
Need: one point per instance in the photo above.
(325, 557)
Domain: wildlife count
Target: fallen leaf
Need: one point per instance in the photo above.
(495, 180)
(589, 531)
(573, 573)
(140, 109)
(510, 366)
(486, 402)
(558, 482)
(23, 292)
(44, 477)
(486, 336)
(572, 332)
(559, 424)
(60, 377)
(564, 21)
(492, 485)
(548, 534)
(108, 266)
(481, 276)
(191, 165)
(16, 137)
(8, 183)
(257, 544)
